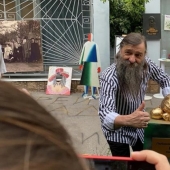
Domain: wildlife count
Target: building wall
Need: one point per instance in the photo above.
(101, 30)
(153, 46)
(165, 41)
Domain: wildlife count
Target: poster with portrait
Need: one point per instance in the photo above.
(152, 26)
(167, 23)
(59, 80)
(21, 45)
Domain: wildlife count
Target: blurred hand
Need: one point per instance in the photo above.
(98, 70)
(80, 67)
(160, 161)
(25, 91)
(138, 118)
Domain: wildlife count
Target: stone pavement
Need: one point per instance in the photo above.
(80, 118)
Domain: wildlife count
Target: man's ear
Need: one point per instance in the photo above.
(118, 54)
(145, 54)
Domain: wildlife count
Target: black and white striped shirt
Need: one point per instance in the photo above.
(112, 103)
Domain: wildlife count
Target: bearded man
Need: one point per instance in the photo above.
(123, 87)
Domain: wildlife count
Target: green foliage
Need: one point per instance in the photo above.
(125, 17)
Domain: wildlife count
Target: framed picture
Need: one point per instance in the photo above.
(21, 45)
(167, 22)
(152, 26)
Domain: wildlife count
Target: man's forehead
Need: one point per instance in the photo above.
(136, 48)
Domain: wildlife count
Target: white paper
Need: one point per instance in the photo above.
(167, 22)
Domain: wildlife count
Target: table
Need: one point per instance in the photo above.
(162, 62)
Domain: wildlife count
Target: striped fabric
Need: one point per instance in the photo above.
(112, 103)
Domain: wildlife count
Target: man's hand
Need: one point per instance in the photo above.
(138, 118)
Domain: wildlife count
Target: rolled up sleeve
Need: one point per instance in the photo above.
(166, 91)
(109, 120)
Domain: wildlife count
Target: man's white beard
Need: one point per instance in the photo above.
(129, 76)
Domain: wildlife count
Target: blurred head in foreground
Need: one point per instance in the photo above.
(30, 137)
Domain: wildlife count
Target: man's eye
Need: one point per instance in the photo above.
(128, 53)
(138, 55)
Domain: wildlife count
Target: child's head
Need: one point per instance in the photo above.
(30, 137)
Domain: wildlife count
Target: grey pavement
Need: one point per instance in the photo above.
(80, 118)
